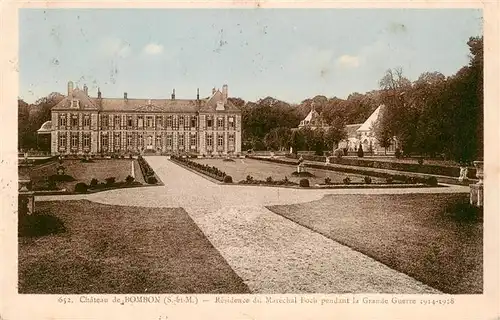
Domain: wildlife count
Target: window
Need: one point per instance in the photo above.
(86, 141)
(231, 122)
(181, 121)
(220, 122)
(169, 121)
(209, 122)
(193, 122)
(140, 122)
(231, 142)
(169, 141)
(158, 142)
(159, 122)
(62, 120)
(117, 141)
(75, 103)
(129, 122)
(74, 120)
(104, 120)
(86, 120)
(117, 121)
(192, 140)
(149, 122)
(104, 142)
(140, 141)
(62, 140)
(74, 141)
(220, 141)
(129, 140)
(209, 140)
(181, 140)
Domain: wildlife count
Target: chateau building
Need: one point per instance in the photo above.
(81, 124)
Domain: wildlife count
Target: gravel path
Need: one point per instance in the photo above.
(270, 253)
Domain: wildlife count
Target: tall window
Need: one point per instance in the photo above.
(181, 140)
(62, 120)
(117, 121)
(231, 122)
(193, 122)
(209, 140)
(192, 140)
(209, 122)
(231, 142)
(86, 120)
(159, 122)
(129, 140)
(104, 142)
(220, 122)
(86, 140)
(104, 120)
(116, 139)
(62, 140)
(74, 141)
(181, 121)
(158, 142)
(74, 120)
(129, 122)
(149, 121)
(140, 141)
(220, 141)
(169, 141)
(140, 121)
(169, 121)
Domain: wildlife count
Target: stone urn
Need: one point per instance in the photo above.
(479, 171)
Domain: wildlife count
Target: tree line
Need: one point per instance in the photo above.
(433, 116)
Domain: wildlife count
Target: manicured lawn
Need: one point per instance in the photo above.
(83, 172)
(260, 170)
(411, 233)
(119, 249)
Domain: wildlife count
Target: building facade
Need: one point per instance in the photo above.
(81, 125)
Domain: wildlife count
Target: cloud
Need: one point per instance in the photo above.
(310, 59)
(116, 48)
(153, 49)
(348, 61)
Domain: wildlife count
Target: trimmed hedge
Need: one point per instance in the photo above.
(212, 172)
(147, 172)
(410, 167)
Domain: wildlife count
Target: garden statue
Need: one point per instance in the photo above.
(463, 174)
(477, 189)
(300, 165)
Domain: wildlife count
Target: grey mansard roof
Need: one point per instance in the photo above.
(208, 105)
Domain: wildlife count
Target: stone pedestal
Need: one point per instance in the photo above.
(477, 189)
(26, 198)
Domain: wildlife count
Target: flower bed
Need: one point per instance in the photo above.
(147, 172)
(212, 172)
(269, 182)
(399, 166)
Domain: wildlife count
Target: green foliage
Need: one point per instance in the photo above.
(228, 179)
(361, 153)
(304, 183)
(81, 187)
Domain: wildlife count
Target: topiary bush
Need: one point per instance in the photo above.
(110, 181)
(304, 183)
(129, 179)
(81, 187)
(328, 180)
(347, 180)
(93, 182)
(361, 153)
(228, 179)
(368, 179)
(269, 179)
(152, 180)
(432, 181)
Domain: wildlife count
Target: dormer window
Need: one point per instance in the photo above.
(75, 103)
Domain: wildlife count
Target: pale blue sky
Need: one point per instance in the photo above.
(290, 54)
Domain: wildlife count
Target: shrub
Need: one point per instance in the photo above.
(432, 181)
(397, 153)
(110, 181)
(81, 187)
(249, 178)
(51, 185)
(93, 182)
(285, 180)
(152, 180)
(130, 156)
(269, 179)
(61, 177)
(129, 179)
(347, 180)
(360, 152)
(388, 180)
(228, 179)
(420, 161)
(304, 183)
(368, 180)
(328, 180)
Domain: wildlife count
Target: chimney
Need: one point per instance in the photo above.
(86, 89)
(98, 93)
(198, 94)
(173, 94)
(213, 90)
(224, 92)
(70, 88)
(125, 96)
